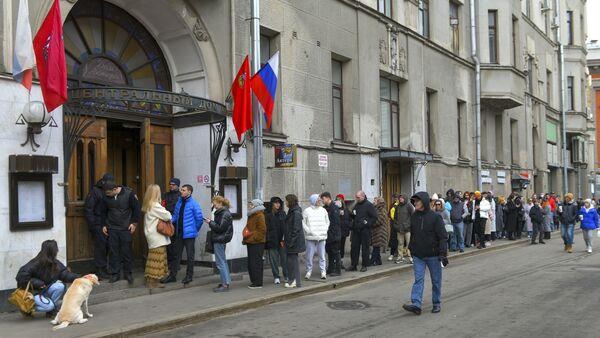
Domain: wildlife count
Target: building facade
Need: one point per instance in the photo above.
(375, 95)
(593, 63)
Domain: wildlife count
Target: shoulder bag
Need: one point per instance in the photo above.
(23, 299)
(165, 228)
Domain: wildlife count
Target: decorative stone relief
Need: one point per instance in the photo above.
(199, 32)
(398, 53)
(383, 52)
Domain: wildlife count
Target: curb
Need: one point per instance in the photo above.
(232, 308)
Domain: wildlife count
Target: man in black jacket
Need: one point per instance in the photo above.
(364, 216)
(537, 220)
(95, 220)
(169, 200)
(568, 216)
(334, 235)
(122, 210)
(428, 246)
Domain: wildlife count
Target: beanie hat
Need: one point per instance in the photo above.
(313, 199)
(434, 197)
(341, 197)
(175, 181)
(257, 203)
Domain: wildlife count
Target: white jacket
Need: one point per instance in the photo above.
(151, 218)
(484, 209)
(315, 222)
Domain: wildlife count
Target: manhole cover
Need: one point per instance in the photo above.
(348, 305)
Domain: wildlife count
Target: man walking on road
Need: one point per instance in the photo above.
(568, 216)
(429, 247)
(364, 216)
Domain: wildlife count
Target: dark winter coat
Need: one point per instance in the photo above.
(457, 212)
(42, 277)
(512, 216)
(469, 216)
(94, 210)
(381, 228)
(499, 218)
(222, 226)
(402, 216)
(428, 236)
(170, 199)
(294, 233)
(569, 213)
(334, 233)
(275, 228)
(364, 215)
(345, 222)
(536, 214)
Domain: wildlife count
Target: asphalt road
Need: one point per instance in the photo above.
(524, 291)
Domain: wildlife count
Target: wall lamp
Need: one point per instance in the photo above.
(36, 117)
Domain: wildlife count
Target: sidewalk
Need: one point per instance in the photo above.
(165, 310)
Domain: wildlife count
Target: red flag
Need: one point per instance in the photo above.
(242, 100)
(50, 58)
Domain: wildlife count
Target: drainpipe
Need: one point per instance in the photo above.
(563, 114)
(257, 141)
(477, 93)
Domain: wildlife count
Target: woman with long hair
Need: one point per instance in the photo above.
(294, 240)
(156, 263)
(222, 232)
(275, 219)
(47, 277)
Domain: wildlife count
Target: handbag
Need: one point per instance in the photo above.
(449, 228)
(246, 232)
(165, 228)
(208, 246)
(23, 299)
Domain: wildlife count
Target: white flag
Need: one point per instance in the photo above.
(24, 57)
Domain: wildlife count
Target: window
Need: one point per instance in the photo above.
(493, 35)
(499, 138)
(530, 80)
(545, 13)
(265, 49)
(385, 7)
(461, 115)
(551, 132)
(515, 48)
(528, 8)
(388, 105)
(336, 95)
(570, 93)
(582, 89)
(424, 17)
(549, 87)
(569, 27)
(429, 123)
(454, 27)
(514, 141)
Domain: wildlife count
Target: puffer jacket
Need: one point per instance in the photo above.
(222, 226)
(315, 222)
(192, 217)
(381, 228)
(589, 219)
(294, 234)
(334, 232)
(402, 216)
(258, 228)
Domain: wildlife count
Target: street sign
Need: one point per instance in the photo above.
(323, 160)
(285, 155)
(203, 179)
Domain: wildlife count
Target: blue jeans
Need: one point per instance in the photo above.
(566, 231)
(435, 271)
(458, 239)
(221, 263)
(46, 301)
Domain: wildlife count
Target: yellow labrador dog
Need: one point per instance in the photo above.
(76, 296)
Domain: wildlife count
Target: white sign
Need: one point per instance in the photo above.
(204, 180)
(323, 159)
(501, 174)
(486, 180)
(501, 180)
(485, 173)
(32, 201)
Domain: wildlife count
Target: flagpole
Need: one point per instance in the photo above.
(257, 178)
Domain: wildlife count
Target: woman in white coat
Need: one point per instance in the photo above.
(156, 264)
(315, 222)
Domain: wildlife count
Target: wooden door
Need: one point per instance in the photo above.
(88, 164)
(392, 181)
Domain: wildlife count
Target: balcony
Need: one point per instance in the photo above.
(502, 87)
(577, 122)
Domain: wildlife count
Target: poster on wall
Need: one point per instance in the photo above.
(32, 201)
(285, 155)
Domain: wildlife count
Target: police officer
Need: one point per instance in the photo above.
(95, 221)
(169, 200)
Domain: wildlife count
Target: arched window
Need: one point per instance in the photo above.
(80, 161)
(91, 163)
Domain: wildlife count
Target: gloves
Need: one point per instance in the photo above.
(444, 261)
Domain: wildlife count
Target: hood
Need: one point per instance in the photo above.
(424, 197)
(313, 199)
(105, 178)
(405, 199)
(450, 192)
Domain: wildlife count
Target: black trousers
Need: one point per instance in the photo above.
(343, 246)
(334, 257)
(172, 256)
(394, 242)
(119, 242)
(480, 231)
(189, 244)
(255, 263)
(294, 268)
(538, 230)
(361, 239)
(100, 249)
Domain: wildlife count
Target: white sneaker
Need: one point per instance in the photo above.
(391, 258)
(277, 281)
(589, 249)
(399, 260)
(410, 260)
(323, 275)
(290, 285)
(307, 275)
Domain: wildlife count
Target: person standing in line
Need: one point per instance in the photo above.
(458, 212)
(511, 217)
(334, 234)
(346, 225)
(481, 208)
(548, 217)
(222, 233)
(402, 224)
(381, 231)
(492, 218)
(169, 201)
(156, 263)
(275, 219)
(294, 240)
(122, 210)
(315, 222)
(364, 216)
(94, 217)
(187, 219)
(568, 216)
(589, 222)
(254, 238)
(428, 245)
(537, 219)
(500, 233)
(528, 223)
(393, 242)
(448, 201)
(521, 220)
(468, 220)
(439, 207)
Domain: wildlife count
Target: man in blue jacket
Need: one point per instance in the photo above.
(187, 219)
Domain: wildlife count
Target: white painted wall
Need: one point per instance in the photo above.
(17, 248)
(370, 171)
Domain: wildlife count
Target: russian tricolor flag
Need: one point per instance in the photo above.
(264, 86)
(24, 57)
